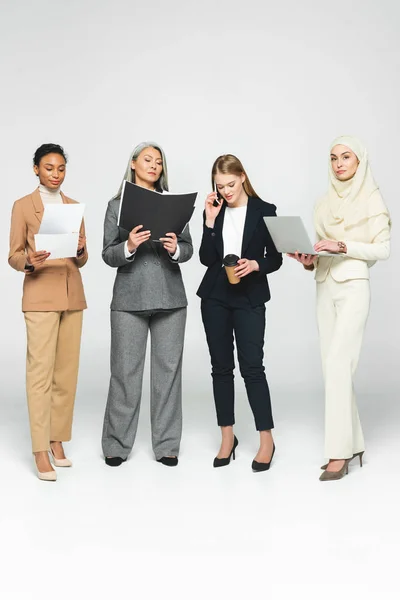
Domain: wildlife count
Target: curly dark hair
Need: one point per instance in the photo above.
(48, 149)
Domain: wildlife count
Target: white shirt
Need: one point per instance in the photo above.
(50, 196)
(232, 230)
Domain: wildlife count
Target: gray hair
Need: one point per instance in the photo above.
(162, 183)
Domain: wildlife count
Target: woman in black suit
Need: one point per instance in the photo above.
(234, 225)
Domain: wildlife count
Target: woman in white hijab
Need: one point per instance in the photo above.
(353, 222)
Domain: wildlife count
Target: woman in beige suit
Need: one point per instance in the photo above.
(353, 222)
(53, 301)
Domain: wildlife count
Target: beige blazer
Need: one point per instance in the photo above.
(57, 285)
(360, 256)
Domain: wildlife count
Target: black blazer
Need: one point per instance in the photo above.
(257, 245)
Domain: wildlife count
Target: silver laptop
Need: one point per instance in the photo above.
(289, 236)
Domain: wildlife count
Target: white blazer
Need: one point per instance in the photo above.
(359, 258)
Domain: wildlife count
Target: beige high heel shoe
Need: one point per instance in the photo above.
(359, 454)
(47, 476)
(60, 462)
(334, 475)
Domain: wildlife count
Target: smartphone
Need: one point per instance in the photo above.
(218, 201)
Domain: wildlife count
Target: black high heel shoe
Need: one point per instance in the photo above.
(114, 461)
(261, 466)
(223, 462)
(168, 461)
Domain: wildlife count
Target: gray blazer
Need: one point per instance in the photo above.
(150, 279)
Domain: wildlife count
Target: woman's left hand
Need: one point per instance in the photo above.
(170, 243)
(81, 242)
(327, 246)
(245, 267)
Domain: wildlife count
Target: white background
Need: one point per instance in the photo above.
(274, 83)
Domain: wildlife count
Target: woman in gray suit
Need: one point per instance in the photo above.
(148, 296)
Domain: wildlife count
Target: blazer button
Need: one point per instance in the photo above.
(145, 262)
(213, 234)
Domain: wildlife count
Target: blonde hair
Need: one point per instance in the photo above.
(162, 183)
(228, 163)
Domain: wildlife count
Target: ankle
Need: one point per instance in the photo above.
(41, 454)
(266, 438)
(42, 461)
(227, 433)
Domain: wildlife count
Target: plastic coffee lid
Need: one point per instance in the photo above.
(230, 260)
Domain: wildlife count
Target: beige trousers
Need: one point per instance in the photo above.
(342, 312)
(51, 374)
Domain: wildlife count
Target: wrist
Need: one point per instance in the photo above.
(256, 265)
(210, 223)
(131, 247)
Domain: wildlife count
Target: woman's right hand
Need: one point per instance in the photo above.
(137, 238)
(212, 211)
(37, 259)
(305, 259)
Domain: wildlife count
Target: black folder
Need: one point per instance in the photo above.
(160, 213)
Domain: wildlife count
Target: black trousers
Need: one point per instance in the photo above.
(221, 320)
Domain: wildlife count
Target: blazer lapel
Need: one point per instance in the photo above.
(37, 205)
(65, 198)
(219, 223)
(251, 222)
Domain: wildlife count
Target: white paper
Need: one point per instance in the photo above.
(62, 218)
(60, 245)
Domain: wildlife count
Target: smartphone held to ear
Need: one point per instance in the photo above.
(218, 200)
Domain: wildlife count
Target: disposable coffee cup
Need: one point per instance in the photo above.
(230, 263)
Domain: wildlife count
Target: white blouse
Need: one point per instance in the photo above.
(232, 230)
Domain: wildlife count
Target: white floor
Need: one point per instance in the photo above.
(147, 531)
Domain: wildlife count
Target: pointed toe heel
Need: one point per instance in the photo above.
(60, 462)
(335, 475)
(359, 454)
(47, 475)
(258, 467)
(223, 462)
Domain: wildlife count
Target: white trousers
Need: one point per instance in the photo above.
(342, 312)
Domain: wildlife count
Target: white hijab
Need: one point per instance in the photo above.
(352, 204)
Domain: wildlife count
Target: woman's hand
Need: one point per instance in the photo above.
(212, 211)
(305, 259)
(81, 242)
(245, 267)
(327, 246)
(36, 259)
(136, 238)
(170, 243)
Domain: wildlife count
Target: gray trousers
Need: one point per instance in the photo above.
(129, 332)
